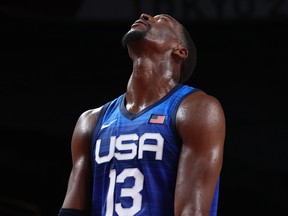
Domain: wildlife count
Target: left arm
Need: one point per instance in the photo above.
(201, 125)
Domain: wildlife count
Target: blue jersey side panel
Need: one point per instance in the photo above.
(135, 158)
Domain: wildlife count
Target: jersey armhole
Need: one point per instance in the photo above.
(98, 121)
(174, 113)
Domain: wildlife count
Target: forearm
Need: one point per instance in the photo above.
(191, 209)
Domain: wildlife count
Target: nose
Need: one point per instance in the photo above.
(146, 17)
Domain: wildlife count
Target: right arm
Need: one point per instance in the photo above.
(78, 194)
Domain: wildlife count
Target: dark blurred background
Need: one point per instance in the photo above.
(60, 58)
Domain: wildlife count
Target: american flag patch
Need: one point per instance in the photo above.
(157, 119)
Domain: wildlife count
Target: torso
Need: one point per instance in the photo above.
(135, 157)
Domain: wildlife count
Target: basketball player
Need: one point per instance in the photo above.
(157, 149)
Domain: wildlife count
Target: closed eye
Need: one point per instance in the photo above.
(163, 18)
(160, 18)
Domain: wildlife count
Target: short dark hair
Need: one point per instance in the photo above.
(188, 65)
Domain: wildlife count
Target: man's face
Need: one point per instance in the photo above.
(160, 28)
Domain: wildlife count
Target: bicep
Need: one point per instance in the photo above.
(202, 130)
(78, 190)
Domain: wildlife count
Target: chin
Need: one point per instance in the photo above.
(132, 36)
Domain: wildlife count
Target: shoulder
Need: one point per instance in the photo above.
(199, 113)
(87, 120)
(201, 102)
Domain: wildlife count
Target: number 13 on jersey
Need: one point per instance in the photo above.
(132, 192)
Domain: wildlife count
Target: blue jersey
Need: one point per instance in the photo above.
(135, 158)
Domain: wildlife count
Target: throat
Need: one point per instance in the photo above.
(134, 109)
(143, 90)
(137, 100)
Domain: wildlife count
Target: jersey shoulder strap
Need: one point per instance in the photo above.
(99, 119)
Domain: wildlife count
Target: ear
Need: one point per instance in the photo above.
(180, 51)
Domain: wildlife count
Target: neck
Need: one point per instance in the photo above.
(148, 83)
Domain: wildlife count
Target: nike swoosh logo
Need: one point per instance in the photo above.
(107, 125)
